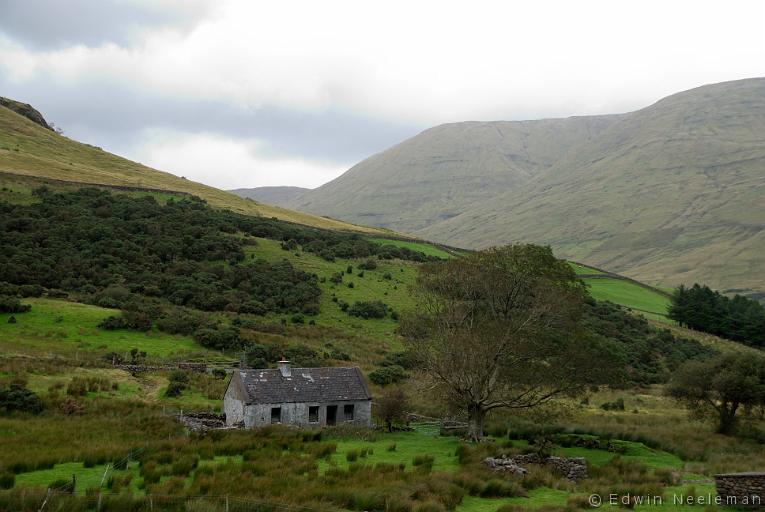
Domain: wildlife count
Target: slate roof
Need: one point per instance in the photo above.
(304, 385)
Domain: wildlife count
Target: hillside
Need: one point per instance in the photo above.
(277, 196)
(446, 171)
(29, 149)
(669, 194)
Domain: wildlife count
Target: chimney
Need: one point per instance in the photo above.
(284, 367)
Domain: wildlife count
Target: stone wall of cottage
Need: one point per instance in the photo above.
(259, 415)
(741, 489)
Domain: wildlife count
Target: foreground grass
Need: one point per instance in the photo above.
(398, 448)
(95, 477)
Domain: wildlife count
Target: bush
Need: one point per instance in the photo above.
(7, 480)
(174, 389)
(369, 264)
(616, 405)
(225, 338)
(19, 399)
(388, 375)
(368, 309)
(12, 305)
(180, 321)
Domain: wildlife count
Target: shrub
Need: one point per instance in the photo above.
(388, 375)
(219, 338)
(352, 455)
(616, 405)
(368, 309)
(12, 305)
(369, 264)
(180, 321)
(19, 399)
(7, 480)
(174, 389)
(336, 278)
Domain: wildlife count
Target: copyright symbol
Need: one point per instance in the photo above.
(595, 500)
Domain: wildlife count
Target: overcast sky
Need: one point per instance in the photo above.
(241, 93)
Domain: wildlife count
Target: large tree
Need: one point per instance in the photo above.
(499, 329)
(721, 388)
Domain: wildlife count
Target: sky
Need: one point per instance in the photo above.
(242, 93)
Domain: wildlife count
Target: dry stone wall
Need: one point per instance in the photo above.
(741, 489)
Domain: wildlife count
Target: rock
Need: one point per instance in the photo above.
(574, 469)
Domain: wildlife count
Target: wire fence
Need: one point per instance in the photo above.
(59, 501)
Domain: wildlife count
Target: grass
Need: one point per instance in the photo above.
(30, 150)
(85, 478)
(423, 247)
(59, 327)
(408, 446)
(581, 270)
(643, 300)
(372, 338)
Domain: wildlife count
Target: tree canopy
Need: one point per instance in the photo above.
(721, 387)
(738, 318)
(500, 329)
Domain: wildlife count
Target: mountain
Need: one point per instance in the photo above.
(271, 195)
(447, 170)
(672, 193)
(29, 147)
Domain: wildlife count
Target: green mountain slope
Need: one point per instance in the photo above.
(27, 148)
(446, 171)
(672, 193)
(668, 194)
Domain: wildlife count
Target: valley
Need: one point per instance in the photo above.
(146, 293)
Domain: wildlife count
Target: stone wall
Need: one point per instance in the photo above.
(741, 489)
(259, 415)
(572, 468)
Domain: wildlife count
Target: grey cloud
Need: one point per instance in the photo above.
(114, 117)
(49, 24)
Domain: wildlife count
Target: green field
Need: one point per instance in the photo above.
(373, 285)
(59, 327)
(583, 269)
(643, 300)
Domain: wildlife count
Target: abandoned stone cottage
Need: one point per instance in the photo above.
(297, 396)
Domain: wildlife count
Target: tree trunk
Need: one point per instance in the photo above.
(476, 415)
(727, 419)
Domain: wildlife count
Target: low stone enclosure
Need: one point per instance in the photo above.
(574, 469)
(741, 489)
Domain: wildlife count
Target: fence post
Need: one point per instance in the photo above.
(226, 502)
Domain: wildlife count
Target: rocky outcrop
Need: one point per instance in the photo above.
(26, 110)
(741, 489)
(574, 469)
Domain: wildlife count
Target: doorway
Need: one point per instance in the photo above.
(331, 414)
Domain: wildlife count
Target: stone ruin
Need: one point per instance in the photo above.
(202, 421)
(574, 469)
(741, 489)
